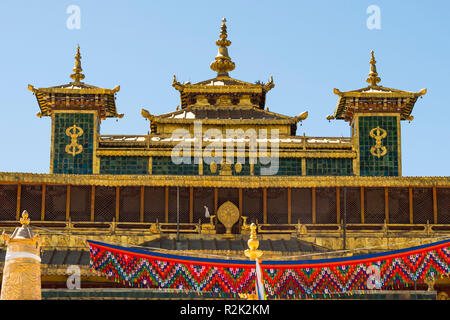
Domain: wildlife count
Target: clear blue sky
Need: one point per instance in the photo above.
(310, 47)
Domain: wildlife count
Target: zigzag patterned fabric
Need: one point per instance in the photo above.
(387, 270)
(139, 268)
(282, 279)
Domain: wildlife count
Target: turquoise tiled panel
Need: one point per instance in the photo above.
(64, 162)
(370, 165)
(124, 165)
(329, 167)
(286, 167)
(164, 165)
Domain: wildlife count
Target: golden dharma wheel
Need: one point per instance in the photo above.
(228, 215)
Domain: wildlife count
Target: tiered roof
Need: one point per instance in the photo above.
(223, 85)
(223, 98)
(77, 95)
(375, 98)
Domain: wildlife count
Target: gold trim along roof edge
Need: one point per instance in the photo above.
(223, 181)
(75, 90)
(384, 92)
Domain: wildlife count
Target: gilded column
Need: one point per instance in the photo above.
(92, 203)
(19, 195)
(117, 203)
(240, 202)
(166, 204)
(362, 205)
(303, 166)
(264, 205)
(386, 205)
(191, 204)
(338, 205)
(150, 165)
(289, 205)
(216, 200)
(43, 202)
(435, 215)
(141, 205)
(411, 210)
(22, 271)
(68, 203)
(313, 193)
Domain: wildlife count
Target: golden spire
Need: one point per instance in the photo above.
(253, 253)
(373, 78)
(222, 63)
(77, 76)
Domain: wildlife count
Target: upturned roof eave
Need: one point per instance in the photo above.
(384, 92)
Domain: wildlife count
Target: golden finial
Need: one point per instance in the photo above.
(253, 253)
(77, 76)
(24, 220)
(222, 63)
(373, 78)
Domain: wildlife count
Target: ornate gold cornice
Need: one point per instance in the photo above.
(223, 181)
(226, 121)
(165, 119)
(222, 89)
(387, 94)
(74, 91)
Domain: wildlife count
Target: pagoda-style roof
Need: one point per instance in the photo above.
(375, 99)
(223, 99)
(76, 95)
(213, 88)
(223, 85)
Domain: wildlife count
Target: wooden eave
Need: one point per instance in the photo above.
(381, 93)
(110, 109)
(238, 87)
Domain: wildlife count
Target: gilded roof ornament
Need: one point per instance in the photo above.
(77, 76)
(176, 84)
(23, 232)
(302, 116)
(24, 220)
(373, 78)
(147, 115)
(222, 63)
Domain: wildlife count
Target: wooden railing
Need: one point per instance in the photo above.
(165, 228)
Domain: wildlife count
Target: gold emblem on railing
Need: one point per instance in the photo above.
(74, 132)
(228, 214)
(378, 150)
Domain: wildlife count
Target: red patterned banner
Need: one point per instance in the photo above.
(282, 279)
(387, 270)
(139, 268)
